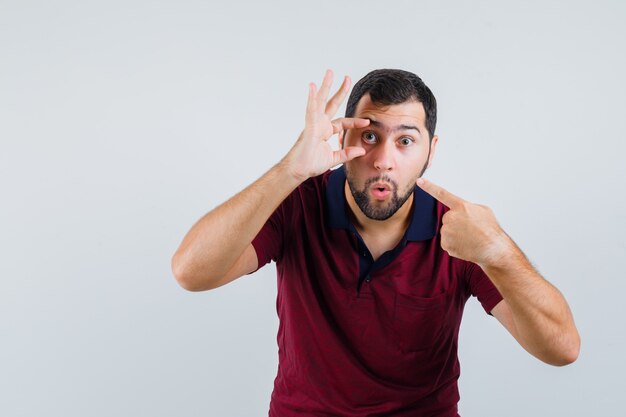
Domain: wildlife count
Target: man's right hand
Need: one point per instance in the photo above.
(312, 155)
(218, 247)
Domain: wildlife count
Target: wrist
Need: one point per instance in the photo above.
(501, 253)
(289, 173)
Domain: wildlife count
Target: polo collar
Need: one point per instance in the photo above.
(423, 224)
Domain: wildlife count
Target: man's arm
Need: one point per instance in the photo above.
(218, 247)
(533, 310)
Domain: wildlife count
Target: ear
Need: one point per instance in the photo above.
(433, 147)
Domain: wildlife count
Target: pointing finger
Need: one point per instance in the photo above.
(440, 193)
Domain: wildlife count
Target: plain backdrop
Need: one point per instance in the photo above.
(123, 122)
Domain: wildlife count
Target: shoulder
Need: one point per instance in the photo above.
(317, 183)
(313, 189)
(308, 197)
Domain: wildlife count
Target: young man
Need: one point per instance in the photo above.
(374, 263)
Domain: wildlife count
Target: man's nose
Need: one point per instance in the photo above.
(383, 160)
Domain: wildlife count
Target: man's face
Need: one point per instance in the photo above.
(397, 152)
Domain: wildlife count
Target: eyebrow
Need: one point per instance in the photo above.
(395, 128)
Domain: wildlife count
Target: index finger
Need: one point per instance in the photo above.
(345, 123)
(440, 193)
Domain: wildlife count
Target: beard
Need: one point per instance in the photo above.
(380, 211)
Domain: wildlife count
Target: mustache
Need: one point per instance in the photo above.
(381, 178)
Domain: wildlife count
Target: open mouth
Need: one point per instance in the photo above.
(382, 186)
(380, 191)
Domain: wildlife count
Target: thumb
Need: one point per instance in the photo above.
(343, 155)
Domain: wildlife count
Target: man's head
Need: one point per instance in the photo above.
(399, 141)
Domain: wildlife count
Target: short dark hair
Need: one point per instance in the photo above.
(394, 86)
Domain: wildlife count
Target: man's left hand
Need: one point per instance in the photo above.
(469, 231)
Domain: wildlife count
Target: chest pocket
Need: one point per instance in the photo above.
(418, 322)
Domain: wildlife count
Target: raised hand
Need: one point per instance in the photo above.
(312, 155)
(469, 231)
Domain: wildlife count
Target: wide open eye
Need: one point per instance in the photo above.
(406, 141)
(369, 137)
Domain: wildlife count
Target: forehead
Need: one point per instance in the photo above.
(409, 112)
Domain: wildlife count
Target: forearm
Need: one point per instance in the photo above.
(543, 321)
(534, 311)
(216, 241)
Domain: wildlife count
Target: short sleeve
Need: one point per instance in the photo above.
(268, 242)
(482, 288)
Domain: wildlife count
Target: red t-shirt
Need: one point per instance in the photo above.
(358, 337)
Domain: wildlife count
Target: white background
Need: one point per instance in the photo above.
(122, 123)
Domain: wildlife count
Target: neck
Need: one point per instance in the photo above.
(364, 225)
